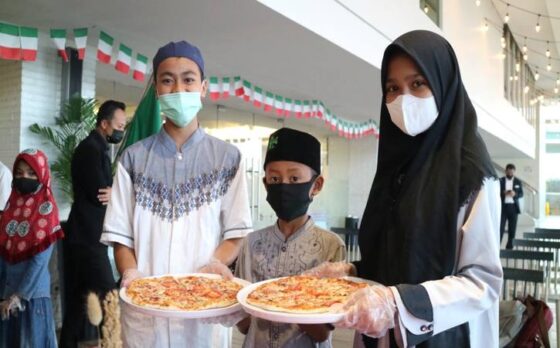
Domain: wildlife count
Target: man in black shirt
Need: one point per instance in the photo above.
(87, 266)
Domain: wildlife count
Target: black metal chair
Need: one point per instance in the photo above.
(542, 245)
(530, 269)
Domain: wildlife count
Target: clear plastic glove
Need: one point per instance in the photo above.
(11, 305)
(370, 311)
(227, 320)
(217, 267)
(129, 275)
(331, 270)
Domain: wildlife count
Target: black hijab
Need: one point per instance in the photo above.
(409, 227)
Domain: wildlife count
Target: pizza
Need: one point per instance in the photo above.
(186, 293)
(302, 294)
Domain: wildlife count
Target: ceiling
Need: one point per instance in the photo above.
(522, 24)
(238, 37)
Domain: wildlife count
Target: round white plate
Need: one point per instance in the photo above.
(173, 313)
(283, 317)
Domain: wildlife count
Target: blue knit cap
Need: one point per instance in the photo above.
(179, 49)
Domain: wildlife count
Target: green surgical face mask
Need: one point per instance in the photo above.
(180, 108)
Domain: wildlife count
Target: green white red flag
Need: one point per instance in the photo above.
(214, 88)
(257, 97)
(268, 101)
(9, 42)
(104, 48)
(238, 86)
(279, 104)
(288, 106)
(80, 37)
(298, 108)
(124, 59)
(140, 67)
(29, 38)
(226, 86)
(59, 38)
(247, 91)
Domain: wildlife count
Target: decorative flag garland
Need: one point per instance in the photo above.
(284, 107)
(20, 43)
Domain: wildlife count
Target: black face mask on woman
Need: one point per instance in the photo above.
(289, 201)
(26, 185)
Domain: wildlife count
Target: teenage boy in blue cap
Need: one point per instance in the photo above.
(179, 202)
(294, 243)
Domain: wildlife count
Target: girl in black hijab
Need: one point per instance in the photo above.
(430, 231)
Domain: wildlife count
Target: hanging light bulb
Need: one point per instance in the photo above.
(506, 17)
(511, 78)
(547, 50)
(537, 75)
(558, 80)
(525, 57)
(485, 27)
(555, 90)
(526, 89)
(525, 45)
(515, 77)
(517, 67)
(477, 2)
(549, 66)
(538, 26)
(503, 42)
(426, 9)
(541, 97)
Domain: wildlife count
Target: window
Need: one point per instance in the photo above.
(432, 9)
(519, 80)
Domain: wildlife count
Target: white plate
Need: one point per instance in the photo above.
(175, 313)
(283, 317)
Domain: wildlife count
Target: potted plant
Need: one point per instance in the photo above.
(76, 121)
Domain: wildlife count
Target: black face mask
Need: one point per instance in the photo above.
(26, 185)
(289, 201)
(116, 137)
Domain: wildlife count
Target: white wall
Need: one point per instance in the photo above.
(10, 99)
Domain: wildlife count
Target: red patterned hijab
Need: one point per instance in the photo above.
(29, 223)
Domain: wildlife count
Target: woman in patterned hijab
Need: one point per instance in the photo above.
(28, 227)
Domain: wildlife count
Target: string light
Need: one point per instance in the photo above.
(503, 42)
(517, 67)
(547, 50)
(549, 66)
(538, 26)
(477, 2)
(525, 57)
(525, 45)
(537, 75)
(426, 9)
(515, 77)
(555, 90)
(558, 80)
(485, 27)
(506, 17)
(526, 89)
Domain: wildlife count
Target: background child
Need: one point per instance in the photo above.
(294, 244)
(28, 227)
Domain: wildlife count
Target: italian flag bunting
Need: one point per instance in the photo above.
(257, 97)
(268, 101)
(279, 105)
(123, 59)
(288, 107)
(321, 110)
(226, 85)
(140, 67)
(104, 48)
(306, 109)
(214, 88)
(9, 42)
(29, 43)
(80, 37)
(247, 91)
(334, 123)
(59, 38)
(297, 108)
(238, 86)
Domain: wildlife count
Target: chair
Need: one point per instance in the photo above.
(542, 245)
(530, 269)
(350, 237)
